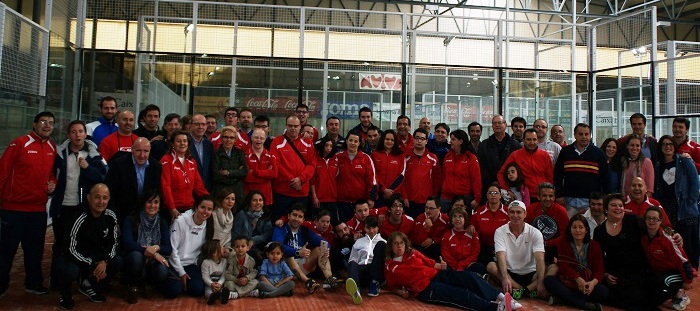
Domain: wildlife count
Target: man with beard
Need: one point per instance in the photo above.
(148, 123)
(424, 123)
(365, 115)
(545, 143)
(595, 215)
(245, 117)
(404, 139)
(106, 124)
(211, 124)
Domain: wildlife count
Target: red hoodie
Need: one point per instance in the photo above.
(459, 249)
(292, 166)
(461, 176)
(324, 179)
(414, 272)
(261, 172)
(356, 177)
(26, 167)
(178, 181)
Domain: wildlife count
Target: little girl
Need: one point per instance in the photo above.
(516, 185)
(241, 272)
(276, 278)
(213, 268)
(223, 219)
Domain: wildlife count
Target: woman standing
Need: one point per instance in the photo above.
(627, 271)
(677, 191)
(580, 263)
(189, 232)
(487, 219)
(609, 146)
(254, 223)
(635, 164)
(324, 192)
(180, 178)
(146, 243)
(389, 165)
(356, 174)
(228, 164)
(461, 174)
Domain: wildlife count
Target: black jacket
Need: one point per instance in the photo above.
(491, 159)
(123, 187)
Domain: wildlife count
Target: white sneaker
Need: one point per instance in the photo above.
(253, 293)
(681, 303)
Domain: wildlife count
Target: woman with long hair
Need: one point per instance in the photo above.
(487, 219)
(324, 192)
(609, 146)
(253, 222)
(635, 164)
(389, 167)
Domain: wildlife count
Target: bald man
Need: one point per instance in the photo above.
(201, 148)
(119, 143)
(128, 177)
(92, 252)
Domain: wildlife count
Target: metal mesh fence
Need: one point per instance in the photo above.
(23, 67)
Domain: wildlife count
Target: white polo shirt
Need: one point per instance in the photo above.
(520, 251)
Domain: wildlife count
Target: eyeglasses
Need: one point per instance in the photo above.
(302, 111)
(431, 208)
(231, 115)
(46, 122)
(398, 243)
(493, 192)
(419, 138)
(540, 126)
(667, 144)
(228, 137)
(261, 126)
(652, 219)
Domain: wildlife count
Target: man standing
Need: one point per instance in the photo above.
(421, 176)
(365, 122)
(372, 142)
(296, 165)
(263, 123)
(26, 180)
(638, 122)
(246, 119)
(557, 135)
(150, 116)
(262, 167)
(582, 168)
(684, 144)
(211, 124)
(535, 165)
(159, 148)
(230, 119)
(201, 148)
(494, 151)
(474, 131)
(129, 177)
(119, 143)
(544, 143)
(519, 265)
(106, 124)
(333, 132)
(517, 125)
(404, 138)
(302, 112)
(424, 123)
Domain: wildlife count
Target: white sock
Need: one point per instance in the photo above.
(233, 295)
(501, 297)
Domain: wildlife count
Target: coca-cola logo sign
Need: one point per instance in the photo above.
(281, 104)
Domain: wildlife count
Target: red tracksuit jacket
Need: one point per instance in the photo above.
(390, 171)
(324, 179)
(486, 222)
(291, 165)
(414, 272)
(356, 177)
(261, 172)
(536, 168)
(664, 255)
(459, 249)
(436, 231)
(461, 176)
(421, 177)
(178, 181)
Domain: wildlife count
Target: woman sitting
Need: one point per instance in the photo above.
(408, 272)
(254, 223)
(580, 263)
(459, 247)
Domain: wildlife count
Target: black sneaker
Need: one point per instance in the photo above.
(38, 290)
(66, 303)
(132, 295)
(213, 297)
(224, 295)
(90, 293)
(3, 291)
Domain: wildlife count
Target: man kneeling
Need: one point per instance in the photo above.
(303, 250)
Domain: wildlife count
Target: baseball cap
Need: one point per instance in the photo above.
(517, 203)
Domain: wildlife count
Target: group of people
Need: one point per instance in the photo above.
(233, 212)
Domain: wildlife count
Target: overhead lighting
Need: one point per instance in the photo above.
(211, 73)
(640, 51)
(447, 40)
(189, 28)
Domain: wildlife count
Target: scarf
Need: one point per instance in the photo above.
(149, 230)
(253, 216)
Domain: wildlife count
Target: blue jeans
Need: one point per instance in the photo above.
(414, 209)
(575, 297)
(172, 287)
(460, 289)
(283, 204)
(374, 271)
(29, 229)
(136, 267)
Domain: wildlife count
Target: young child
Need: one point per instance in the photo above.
(366, 259)
(213, 268)
(516, 185)
(276, 278)
(223, 219)
(241, 272)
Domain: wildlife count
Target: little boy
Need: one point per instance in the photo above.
(241, 272)
(367, 260)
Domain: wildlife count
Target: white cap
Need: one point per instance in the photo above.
(517, 203)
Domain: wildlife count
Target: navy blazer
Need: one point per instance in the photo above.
(123, 187)
(203, 164)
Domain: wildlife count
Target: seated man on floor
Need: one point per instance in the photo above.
(92, 250)
(519, 267)
(304, 251)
